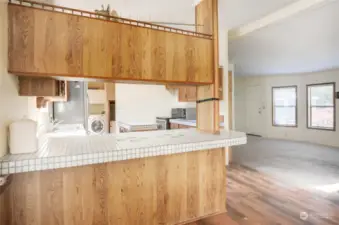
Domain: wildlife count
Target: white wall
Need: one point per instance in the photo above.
(143, 103)
(146, 10)
(301, 133)
(12, 107)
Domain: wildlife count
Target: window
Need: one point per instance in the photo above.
(284, 106)
(321, 106)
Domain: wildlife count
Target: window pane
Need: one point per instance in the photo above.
(323, 117)
(321, 95)
(285, 116)
(321, 106)
(284, 96)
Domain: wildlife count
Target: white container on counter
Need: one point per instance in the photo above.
(23, 137)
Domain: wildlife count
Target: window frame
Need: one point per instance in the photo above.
(296, 106)
(307, 107)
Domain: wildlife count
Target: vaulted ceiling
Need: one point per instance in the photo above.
(233, 13)
(306, 42)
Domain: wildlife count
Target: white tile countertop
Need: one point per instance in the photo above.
(191, 123)
(61, 150)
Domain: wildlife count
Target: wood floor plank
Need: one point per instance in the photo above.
(282, 201)
(256, 198)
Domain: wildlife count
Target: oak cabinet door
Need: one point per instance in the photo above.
(45, 87)
(191, 94)
(188, 94)
(182, 94)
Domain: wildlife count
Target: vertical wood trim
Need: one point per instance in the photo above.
(208, 112)
(216, 85)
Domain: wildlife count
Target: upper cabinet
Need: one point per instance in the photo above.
(189, 93)
(51, 89)
(48, 43)
(96, 85)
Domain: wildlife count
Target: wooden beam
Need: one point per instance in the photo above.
(208, 112)
(277, 16)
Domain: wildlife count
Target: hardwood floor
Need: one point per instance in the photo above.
(297, 164)
(256, 198)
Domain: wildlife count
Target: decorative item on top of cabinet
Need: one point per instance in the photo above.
(105, 13)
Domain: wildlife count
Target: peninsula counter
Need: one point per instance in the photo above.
(159, 177)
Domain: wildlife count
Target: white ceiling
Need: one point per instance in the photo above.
(307, 42)
(231, 12)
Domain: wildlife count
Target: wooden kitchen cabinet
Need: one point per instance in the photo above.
(43, 87)
(187, 94)
(96, 85)
(182, 94)
(84, 47)
(191, 94)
